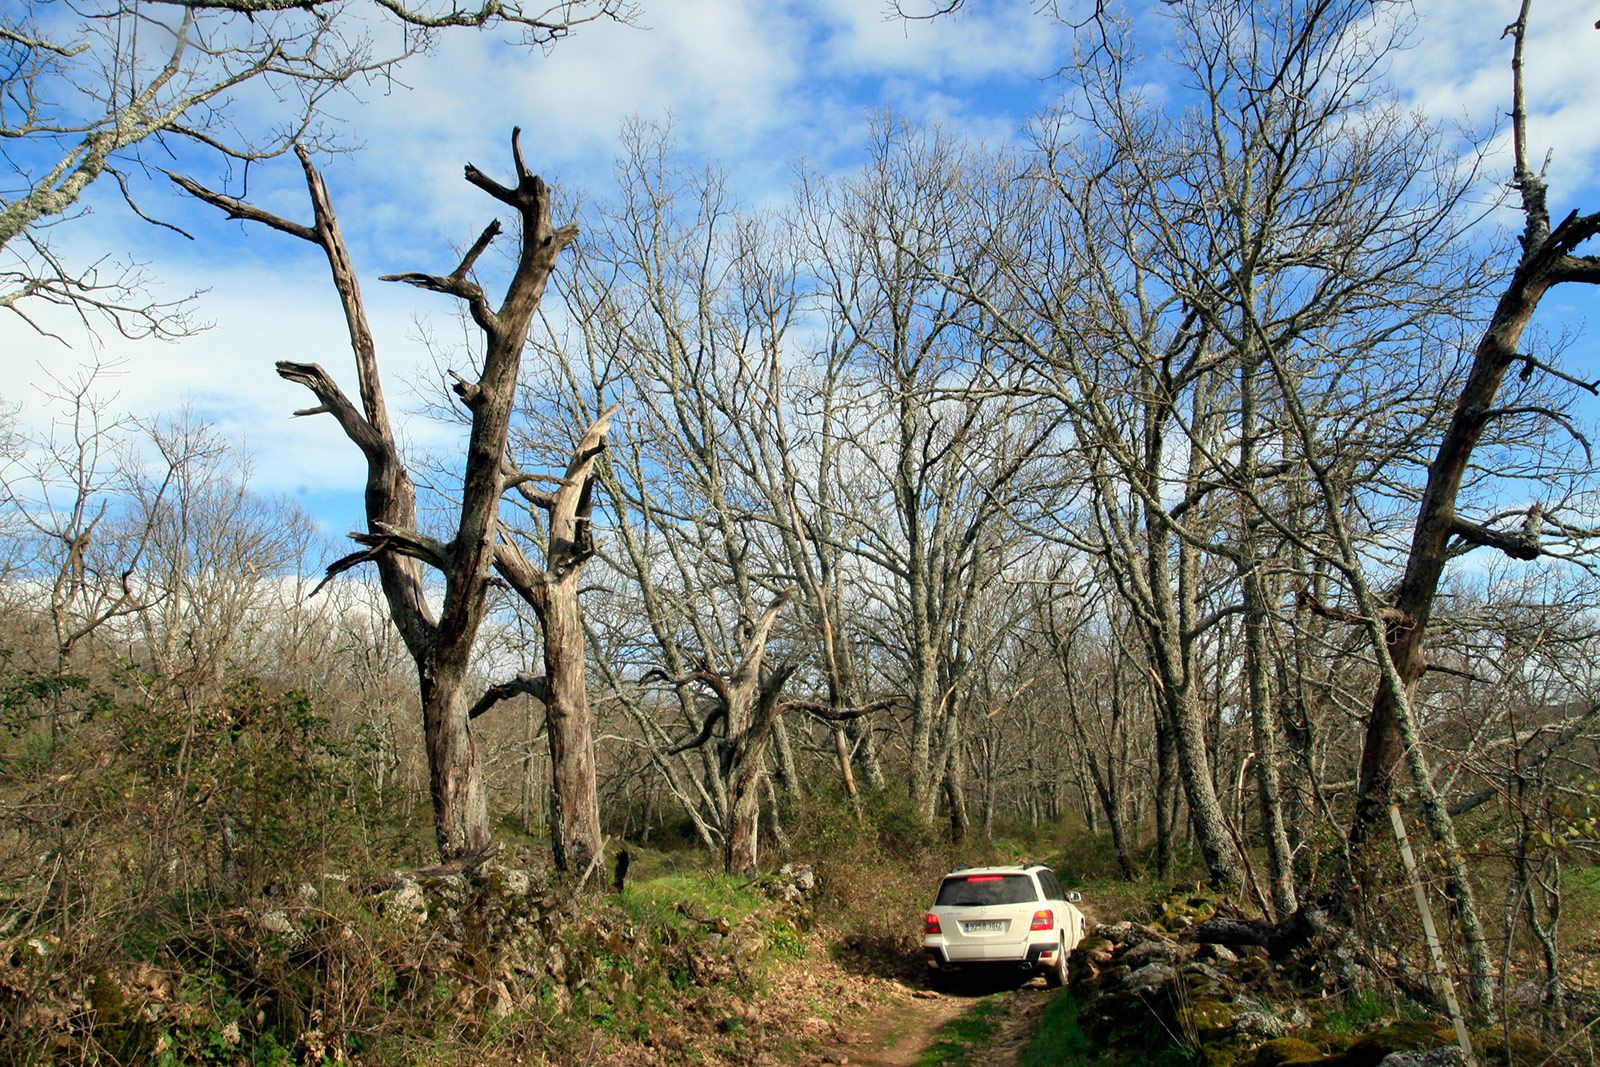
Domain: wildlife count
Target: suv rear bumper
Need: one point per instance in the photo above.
(939, 959)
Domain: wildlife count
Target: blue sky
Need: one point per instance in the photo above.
(752, 85)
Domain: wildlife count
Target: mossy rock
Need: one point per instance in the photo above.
(123, 1031)
(1090, 946)
(1323, 1039)
(1251, 970)
(1223, 1056)
(106, 997)
(1368, 1050)
(1291, 1052)
(1084, 977)
(1207, 983)
(1212, 1016)
(1178, 913)
(1125, 1019)
(1111, 1015)
(1525, 1051)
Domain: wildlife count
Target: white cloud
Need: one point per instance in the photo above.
(225, 374)
(980, 41)
(755, 85)
(1459, 69)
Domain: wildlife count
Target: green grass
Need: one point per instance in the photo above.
(702, 894)
(1059, 1040)
(1582, 898)
(1357, 1012)
(953, 1041)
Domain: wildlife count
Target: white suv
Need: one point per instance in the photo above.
(1010, 916)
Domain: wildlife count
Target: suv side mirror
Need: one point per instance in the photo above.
(1074, 896)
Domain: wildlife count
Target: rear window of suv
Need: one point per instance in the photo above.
(978, 890)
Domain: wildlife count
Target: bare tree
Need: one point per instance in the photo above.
(100, 90)
(441, 646)
(1548, 259)
(214, 547)
(747, 703)
(87, 503)
(945, 442)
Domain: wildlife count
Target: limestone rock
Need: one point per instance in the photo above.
(1261, 1024)
(405, 901)
(1446, 1056)
(275, 922)
(1151, 978)
(1126, 933)
(1156, 951)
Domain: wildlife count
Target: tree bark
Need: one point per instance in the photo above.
(1172, 651)
(441, 648)
(1257, 655)
(575, 838)
(1547, 260)
(455, 781)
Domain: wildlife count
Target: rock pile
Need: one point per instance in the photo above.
(1228, 990)
(792, 884)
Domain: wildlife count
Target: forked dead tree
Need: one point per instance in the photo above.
(552, 592)
(441, 646)
(746, 703)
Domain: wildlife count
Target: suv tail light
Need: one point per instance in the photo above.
(1043, 919)
(930, 925)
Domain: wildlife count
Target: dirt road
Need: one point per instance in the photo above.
(900, 1032)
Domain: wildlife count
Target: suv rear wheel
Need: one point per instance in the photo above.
(1056, 976)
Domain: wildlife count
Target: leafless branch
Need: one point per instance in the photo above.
(533, 685)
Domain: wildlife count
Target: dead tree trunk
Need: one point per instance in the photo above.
(1547, 260)
(440, 647)
(552, 591)
(1392, 734)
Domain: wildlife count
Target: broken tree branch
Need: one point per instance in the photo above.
(524, 684)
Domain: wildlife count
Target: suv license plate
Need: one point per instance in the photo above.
(984, 926)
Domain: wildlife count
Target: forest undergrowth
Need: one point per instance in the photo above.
(173, 891)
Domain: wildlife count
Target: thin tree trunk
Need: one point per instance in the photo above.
(841, 747)
(1175, 668)
(1166, 788)
(788, 776)
(1264, 731)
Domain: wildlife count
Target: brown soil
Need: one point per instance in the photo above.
(895, 1034)
(902, 1030)
(822, 1010)
(814, 1010)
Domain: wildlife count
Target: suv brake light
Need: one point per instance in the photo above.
(1043, 919)
(931, 924)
